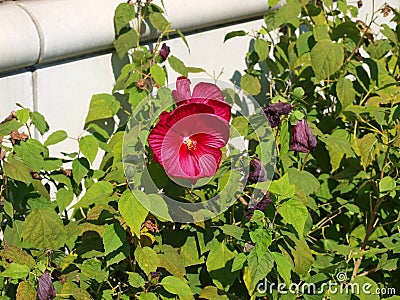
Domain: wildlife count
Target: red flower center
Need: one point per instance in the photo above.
(190, 143)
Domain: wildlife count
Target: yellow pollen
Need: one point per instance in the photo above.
(191, 144)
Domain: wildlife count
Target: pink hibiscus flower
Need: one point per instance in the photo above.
(187, 140)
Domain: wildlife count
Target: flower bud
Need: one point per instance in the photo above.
(302, 139)
(275, 111)
(164, 52)
(257, 171)
(46, 290)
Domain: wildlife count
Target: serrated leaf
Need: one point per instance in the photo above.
(147, 296)
(250, 84)
(98, 192)
(147, 259)
(135, 280)
(386, 185)
(262, 48)
(219, 265)
(158, 74)
(294, 213)
(17, 169)
(304, 180)
(260, 264)
(64, 198)
(124, 13)
(44, 229)
(25, 291)
(365, 147)
(40, 122)
(177, 65)
(22, 115)
(284, 266)
(234, 231)
(16, 271)
(233, 34)
(13, 253)
(159, 22)
(92, 269)
(9, 126)
(80, 167)
(132, 211)
(125, 42)
(345, 92)
(89, 146)
(71, 289)
(102, 106)
(56, 137)
(326, 59)
(238, 262)
(114, 237)
(177, 286)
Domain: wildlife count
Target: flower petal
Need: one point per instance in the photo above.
(208, 159)
(206, 90)
(182, 93)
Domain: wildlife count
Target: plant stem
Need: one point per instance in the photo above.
(305, 160)
(372, 220)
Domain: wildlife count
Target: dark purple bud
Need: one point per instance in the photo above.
(302, 139)
(275, 111)
(260, 205)
(155, 275)
(164, 52)
(257, 171)
(46, 290)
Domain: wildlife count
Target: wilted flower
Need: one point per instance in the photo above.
(187, 140)
(257, 171)
(46, 290)
(260, 205)
(275, 111)
(386, 10)
(164, 52)
(302, 139)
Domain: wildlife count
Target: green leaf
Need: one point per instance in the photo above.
(180, 33)
(17, 169)
(16, 271)
(177, 286)
(368, 288)
(124, 13)
(238, 262)
(260, 264)
(39, 122)
(294, 213)
(22, 115)
(64, 198)
(9, 126)
(177, 65)
(102, 106)
(159, 22)
(98, 192)
(147, 259)
(234, 231)
(56, 137)
(233, 34)
(13, 253)
(219, 265)
(25, 291)
(365, 147)
(147, 296)
(92, 269)
(250, 84)
(304, 180)
(158, 74)
(114, 237)
(80, 167)
(262, 48)
(345, 92)
(338, 145)
(89, 146)
(125, 42)
(284, 266)
(71, 289)
(44, 229)
(132, 211)
(135, 280)
(281, 187)
(386, 185)
(326, 59)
